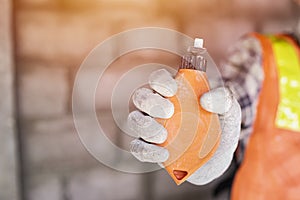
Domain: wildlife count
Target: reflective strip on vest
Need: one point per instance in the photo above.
(287, 61)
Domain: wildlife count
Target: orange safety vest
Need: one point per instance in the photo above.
(271, 166)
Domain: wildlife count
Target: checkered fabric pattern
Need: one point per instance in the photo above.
(243, 73)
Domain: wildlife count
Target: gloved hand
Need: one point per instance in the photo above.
(219, 100)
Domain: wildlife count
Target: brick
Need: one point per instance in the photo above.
(37, 3)
(46, 187)
(107, 5)
(105, 184)
(55, 36)
(67, 37)
(54, 145)
(43, 90)
(81, 5)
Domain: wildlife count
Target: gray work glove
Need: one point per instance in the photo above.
(219, 100)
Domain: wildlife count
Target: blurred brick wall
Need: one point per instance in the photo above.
(52, 39)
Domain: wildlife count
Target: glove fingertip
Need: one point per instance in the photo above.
(145, 152)
(163, 83)
(218, 100)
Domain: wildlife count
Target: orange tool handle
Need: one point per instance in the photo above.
(193, 133)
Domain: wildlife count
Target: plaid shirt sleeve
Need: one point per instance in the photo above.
(242, 72)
